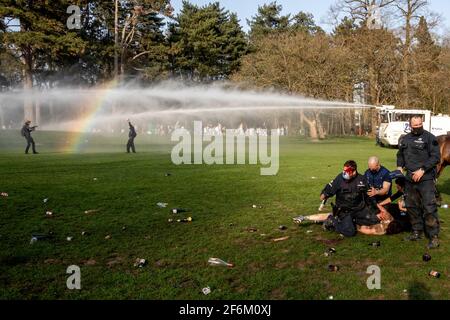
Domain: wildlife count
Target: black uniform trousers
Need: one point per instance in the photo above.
(30, 142)
(130, 145)
(420, 200)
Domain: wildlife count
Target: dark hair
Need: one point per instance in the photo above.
(415, 116)
(401, 182)
(352, 164)
(395, 227)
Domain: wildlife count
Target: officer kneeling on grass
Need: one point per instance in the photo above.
(352, 206)
(419, 155)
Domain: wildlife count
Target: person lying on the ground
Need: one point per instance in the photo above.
(379, 180)
(352, 206)
(379, 229)
(398, 210)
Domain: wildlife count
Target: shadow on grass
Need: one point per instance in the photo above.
(418, 291)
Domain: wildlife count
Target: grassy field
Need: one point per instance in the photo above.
(125, 189)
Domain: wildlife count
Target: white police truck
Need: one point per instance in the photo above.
(394, 124)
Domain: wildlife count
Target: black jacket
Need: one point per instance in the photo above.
(350, 194)
(132, 133)
(419, 151)
(26, 131)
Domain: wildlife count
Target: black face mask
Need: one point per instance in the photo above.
(374, 171)
(417, 131)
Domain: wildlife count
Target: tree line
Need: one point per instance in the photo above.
(399, 62)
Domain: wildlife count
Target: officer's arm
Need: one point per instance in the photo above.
(385, 190)
(434, 154)
(387, 182)
(400, 158)
(331, 189)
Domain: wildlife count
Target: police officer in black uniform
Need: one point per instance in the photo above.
(131, 135)
(352, 205)
(419, 154)
(26, 132)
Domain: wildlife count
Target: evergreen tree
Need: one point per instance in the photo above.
(206, 42)
(268, 20)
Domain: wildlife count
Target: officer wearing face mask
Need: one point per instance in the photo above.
(419, 155)
(352, 206)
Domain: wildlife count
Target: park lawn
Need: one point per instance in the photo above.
(125, 191)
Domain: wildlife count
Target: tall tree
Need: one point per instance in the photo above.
(38, 31)
(206, 42)
(267, 20)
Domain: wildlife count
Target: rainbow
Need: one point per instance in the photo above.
(78, 129)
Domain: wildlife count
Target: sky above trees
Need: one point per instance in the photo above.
(248, 8)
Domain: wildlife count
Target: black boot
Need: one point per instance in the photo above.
(434, 243)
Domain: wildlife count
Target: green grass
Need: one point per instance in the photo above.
(126, 192)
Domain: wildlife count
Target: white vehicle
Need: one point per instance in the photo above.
(395, 124)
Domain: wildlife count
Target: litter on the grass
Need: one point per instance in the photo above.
(280, 239)
(4, 194)
(45, 200)
(162, 204)
(140, 263)
(69, 238)
(206, 291)
(219, 262)
(90, 211)
(49, 213)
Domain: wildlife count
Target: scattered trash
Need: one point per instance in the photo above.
(444, 206)
(282, 228)
(206, 291)
(38, 237)
(84, 233)
(280, 239)
(330, 298)
(188, 219)
(90, 211)
(314, 178)
(219, 262)
(256, 207)
(426, 257)
(124, 228)
(434, 274)
(333, 268)
(252, 230)
(405, 291)
(262, 234)
(375, 244)
(95, 179)
(162, 204)
(179, 210)
(168, 174)
(4, 194)
(329, 252)
(45, 200)
(49, 213)
(140, 263)
(108, 237)
(309, 231)
(231, 224)
(69, 238)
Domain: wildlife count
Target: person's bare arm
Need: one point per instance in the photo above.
(385, 202)
(385, 190)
